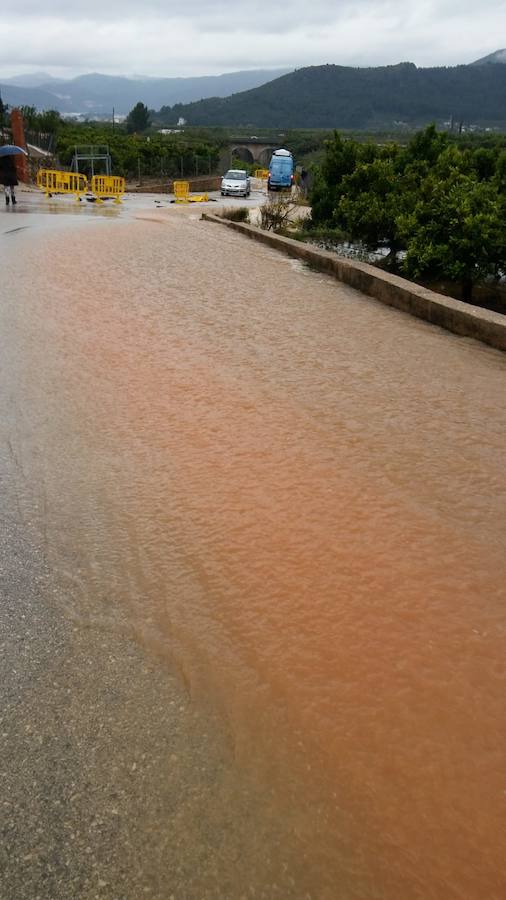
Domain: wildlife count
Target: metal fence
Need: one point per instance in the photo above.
(43, 140)
(188, 165)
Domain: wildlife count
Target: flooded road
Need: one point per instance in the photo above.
(296, 498)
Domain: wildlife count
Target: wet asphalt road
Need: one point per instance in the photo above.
(110, 781)
(113, 784)
(33, 210)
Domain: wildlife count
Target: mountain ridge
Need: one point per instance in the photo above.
(96, 94)
(332, 96)
(498, 56)
(323, 96)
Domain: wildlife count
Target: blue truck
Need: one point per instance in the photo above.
(281, 171)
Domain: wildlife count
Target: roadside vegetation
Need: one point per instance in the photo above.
(235, 213)
(281, 215)
(434, 208)
(137, 150)
(135, 156)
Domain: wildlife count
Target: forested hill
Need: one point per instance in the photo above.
(341, 97)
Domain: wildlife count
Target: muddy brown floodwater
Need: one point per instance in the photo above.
(296, 497)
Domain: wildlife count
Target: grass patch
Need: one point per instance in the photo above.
(236, 214)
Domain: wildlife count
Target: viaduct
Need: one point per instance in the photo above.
(252, 150)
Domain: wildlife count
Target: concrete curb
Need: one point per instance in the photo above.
(453, 315)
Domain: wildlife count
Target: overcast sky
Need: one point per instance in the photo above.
(174, 37)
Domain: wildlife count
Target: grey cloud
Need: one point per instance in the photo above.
(265, 17)
(175, 38)
(179, 9)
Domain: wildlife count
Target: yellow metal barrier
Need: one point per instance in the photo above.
(182, 191)
(262, 173)
(108, 186)
(52, 181)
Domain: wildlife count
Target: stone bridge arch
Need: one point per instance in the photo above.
(264, 157)
(243, 153)
(252, 150)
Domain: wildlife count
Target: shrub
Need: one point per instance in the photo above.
(236, 214)
(275, 214)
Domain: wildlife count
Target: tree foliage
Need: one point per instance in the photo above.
(455, 231)
(156, 155)
(440, 209)
(138, 119)
(48, 121)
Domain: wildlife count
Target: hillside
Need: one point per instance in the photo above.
(341, 97)
(96, 94)
(498, 57)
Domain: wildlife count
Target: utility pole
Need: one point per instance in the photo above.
(113, 118)
(3, 110)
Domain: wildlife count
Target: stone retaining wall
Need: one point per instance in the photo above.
(454, 315)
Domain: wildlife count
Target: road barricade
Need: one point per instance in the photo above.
(107, 186)
(181, 191)
(262, 173)
(52, 181)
